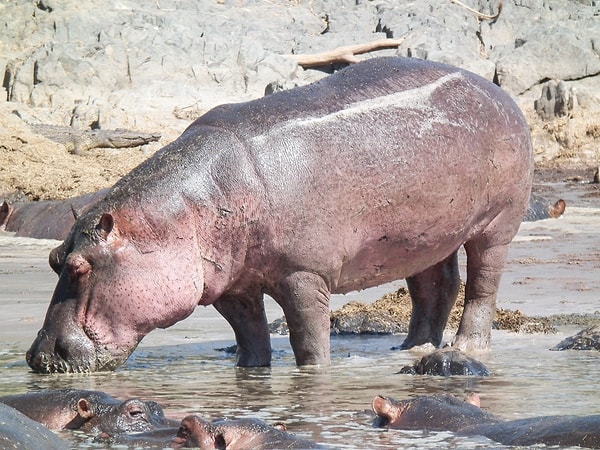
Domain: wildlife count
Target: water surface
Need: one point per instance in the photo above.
(553, 268)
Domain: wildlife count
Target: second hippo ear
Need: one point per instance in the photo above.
(84, 409)
(5, 210)
(105, 225)
(220, 441)
(385, 409)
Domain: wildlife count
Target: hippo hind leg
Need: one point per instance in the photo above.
(246, 315)
(433, 293)
(484, 268)
(304, 297)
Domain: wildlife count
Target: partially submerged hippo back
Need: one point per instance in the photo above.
(93, 411)
(19, 432)
(379, 172)
(447, 362)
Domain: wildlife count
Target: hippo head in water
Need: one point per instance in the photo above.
(103, 306)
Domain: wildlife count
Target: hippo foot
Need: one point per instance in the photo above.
(470, 344)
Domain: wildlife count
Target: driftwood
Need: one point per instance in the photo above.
(77, 141)
(479, 15)
(343, 54)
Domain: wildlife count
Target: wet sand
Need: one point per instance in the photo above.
(553, 268)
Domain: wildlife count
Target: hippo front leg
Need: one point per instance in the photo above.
(246, 315)
(484, 268)
(433, 293)
(304, 298)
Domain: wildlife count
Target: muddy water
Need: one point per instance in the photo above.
(554, 267)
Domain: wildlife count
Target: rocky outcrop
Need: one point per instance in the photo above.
(155, 65)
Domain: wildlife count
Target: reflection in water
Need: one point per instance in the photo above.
(332, 405)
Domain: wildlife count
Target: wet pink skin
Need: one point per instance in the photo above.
(379, 172)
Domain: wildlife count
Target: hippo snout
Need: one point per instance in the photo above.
(72, 353)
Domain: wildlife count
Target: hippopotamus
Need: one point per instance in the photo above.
(378, 172)
(447, 362)
(19, 432)
(234, 434)
(540, 209)
(91, 411)
(47, 219)
(445, 412)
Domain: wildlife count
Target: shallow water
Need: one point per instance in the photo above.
(553, 268)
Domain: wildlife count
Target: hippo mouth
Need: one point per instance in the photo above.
(73, 354)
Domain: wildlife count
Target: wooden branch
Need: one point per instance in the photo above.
(77, 141)
(477, 13)
(343, 54)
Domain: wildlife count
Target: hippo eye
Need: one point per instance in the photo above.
(56, 259)
(183, 432)
(136, 413)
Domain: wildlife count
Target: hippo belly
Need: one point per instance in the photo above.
(379, 172)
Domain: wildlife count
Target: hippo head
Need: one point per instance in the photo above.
(121, 274)
(198, 433)
(130, 416)
(233, 433)
(441, 412)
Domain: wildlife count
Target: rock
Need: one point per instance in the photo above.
(391, 314)
(588, 339)
(556, 100)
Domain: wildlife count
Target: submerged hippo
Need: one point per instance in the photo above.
(19, 432)
(447, 413)
(49, 219)
(447, 362)
(91, 411)
(379, 172)
(235, 434)
(540, 209)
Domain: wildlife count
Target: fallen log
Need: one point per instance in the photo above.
(77, 141)
(345, 54)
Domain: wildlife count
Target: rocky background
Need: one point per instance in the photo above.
(72, 69)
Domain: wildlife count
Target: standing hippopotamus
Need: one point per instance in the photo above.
(48, 219)
(235, 434)
(379, 172)
(447, 413)
(91, 411)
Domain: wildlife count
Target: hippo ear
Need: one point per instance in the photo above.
(84, 409)
(220, 441)
(473, 399)
(105, 225)
(4, 213)
(74, 212)
(384, 408)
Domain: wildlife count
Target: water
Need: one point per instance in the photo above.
(553, 268)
